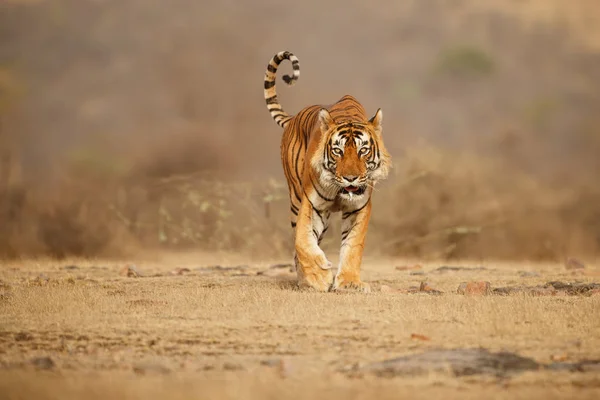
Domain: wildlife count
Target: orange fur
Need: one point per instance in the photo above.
(331, 156)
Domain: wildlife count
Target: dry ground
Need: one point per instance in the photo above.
(230, 333)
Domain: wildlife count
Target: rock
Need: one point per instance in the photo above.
(573, 288)
(555, 288)
(180, 271)
(130, 271)
(573, 263)
(474, 288)
(459, 362)
(150, 368)
(418, 336)
(426, 288)
(43, 363)
(409, 267)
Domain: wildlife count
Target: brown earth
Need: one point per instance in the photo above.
(213, 325)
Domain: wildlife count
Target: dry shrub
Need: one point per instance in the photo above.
(460, 204)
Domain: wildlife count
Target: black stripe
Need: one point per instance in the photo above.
(346, 215)
(269, 84)
(271, 100)
(313, 206)
(347, 231)
(271, 68)
(295, 212)
(319, 193)
(293, 224)
(316, 233)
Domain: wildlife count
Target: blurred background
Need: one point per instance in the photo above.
(132, 125)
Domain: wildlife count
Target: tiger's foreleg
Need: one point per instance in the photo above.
(313, 268)
(354, 231)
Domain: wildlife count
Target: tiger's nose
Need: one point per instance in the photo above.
(350, 178)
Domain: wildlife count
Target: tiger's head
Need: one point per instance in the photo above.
(353, 156)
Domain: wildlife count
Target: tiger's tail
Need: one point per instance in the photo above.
(281, 117)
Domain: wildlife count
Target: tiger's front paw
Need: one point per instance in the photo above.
(315, 278)
(350, 283)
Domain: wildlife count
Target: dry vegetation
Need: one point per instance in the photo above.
(149, 135)
(230, 333)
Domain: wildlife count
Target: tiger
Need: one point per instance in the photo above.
(332, 157)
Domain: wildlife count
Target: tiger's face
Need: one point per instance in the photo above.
(354, 158)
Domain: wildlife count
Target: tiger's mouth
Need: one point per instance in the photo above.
(353, 190)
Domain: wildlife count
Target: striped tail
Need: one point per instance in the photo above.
(277, 113)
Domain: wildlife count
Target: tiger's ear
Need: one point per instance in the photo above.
(376, 120)
(325, 120)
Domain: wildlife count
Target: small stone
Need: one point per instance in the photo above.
(573, 263)
(43, 363)
(232, 367)
(130, 271)
(418, 336)
(149, 368)
(180, 271)
(479, 288)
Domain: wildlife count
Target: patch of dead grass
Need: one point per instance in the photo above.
(213, 332)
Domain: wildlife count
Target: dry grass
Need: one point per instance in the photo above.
(213, 330)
